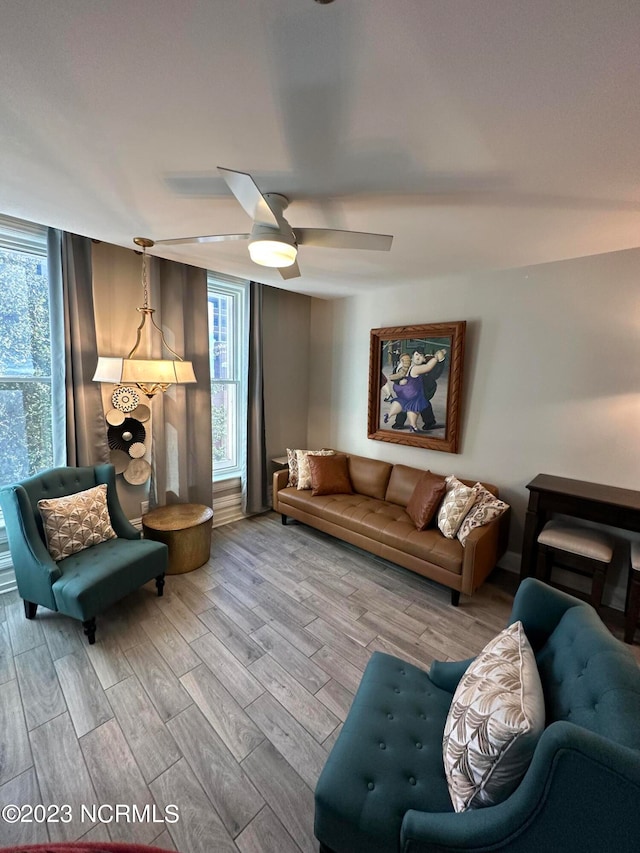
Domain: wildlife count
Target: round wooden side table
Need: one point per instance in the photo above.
(185, 529)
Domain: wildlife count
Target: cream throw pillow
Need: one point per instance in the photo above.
(304, 472)
(76, 522)
(494, 722)
(456, 504)
(485, 508)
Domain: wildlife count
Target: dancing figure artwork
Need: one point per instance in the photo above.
(419, 370)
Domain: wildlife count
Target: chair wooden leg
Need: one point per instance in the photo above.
(633, 608)
(455, 597)
(283, 518)
(160, 585)
(597, 587)
(90, 630)
(30, 609)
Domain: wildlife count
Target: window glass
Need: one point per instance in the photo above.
(25, 354)
(227, 342)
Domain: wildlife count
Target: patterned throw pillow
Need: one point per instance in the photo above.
(485, 509)
(494, 722)
(76, 522)
(292, 461)
(456, 504)
(304, 472)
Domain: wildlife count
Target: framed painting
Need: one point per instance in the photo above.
(415, 384)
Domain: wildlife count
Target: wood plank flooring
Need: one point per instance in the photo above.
(222, 698)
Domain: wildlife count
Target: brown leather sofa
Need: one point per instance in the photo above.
(374, 519)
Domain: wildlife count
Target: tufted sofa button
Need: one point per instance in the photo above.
(412, 780)
(382, 745)
(402, 672)
(418, 745)
(396, 690)
(423, 717)
(370, 786)
(389, 716)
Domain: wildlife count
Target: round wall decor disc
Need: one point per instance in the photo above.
(138, 472)
(120, 460)
(123, 436)
(114, 417)
(137, 450)
(125, 398)
(141, 413)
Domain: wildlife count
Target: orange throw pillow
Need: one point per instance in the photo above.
(330, 475)
(425, 499)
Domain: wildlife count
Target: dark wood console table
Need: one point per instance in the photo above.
(590, 501)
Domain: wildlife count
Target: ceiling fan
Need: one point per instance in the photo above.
(272, 241)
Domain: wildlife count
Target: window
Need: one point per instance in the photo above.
(227, 310)
(26, 443)
(25, 352)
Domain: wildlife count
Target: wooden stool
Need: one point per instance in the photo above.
(582, 550)
(185, 529)
(633, 602)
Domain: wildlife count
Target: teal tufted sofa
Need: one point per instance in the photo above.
(383, 788)
(87, 583)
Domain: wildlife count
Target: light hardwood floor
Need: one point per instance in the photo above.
(223, 697)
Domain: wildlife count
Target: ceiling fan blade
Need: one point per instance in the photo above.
(245, 190)
(290, 272)
(208, 238)
(329, 239)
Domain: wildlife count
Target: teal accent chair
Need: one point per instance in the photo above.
(383, 788)
(87, 583)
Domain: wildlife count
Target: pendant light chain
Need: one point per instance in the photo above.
(145, 289)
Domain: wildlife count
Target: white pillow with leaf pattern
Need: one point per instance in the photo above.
(494, 722)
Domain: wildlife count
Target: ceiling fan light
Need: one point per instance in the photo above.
(272, 253)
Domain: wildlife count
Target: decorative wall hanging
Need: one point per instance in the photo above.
(138, 472)
(141, 413)
(415, 383)
(122, 437)
(125, 399)
(115, 417)
(120, 460)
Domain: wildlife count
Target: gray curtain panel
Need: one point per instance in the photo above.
(181, 454)
(79, 429)
(254, 483)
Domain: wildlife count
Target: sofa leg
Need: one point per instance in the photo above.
(160, 584)
(283, 518)
(30, 609)
(455, 597)
(324, 849)
(90, 630)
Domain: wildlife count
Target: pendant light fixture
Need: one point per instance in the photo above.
(151, 375)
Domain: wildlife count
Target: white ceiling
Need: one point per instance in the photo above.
(483, 134)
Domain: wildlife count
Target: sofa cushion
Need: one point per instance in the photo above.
(304, 472)
(456, 504)
(380, 521)
(94, 579)
(494, 723)
(369, 477)
(75, 522)
(292, 463)
(329, 475)
(402, 483)
(425, 499)
(486, 508)
(386, 760)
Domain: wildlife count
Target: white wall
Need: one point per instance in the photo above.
(551, 378)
